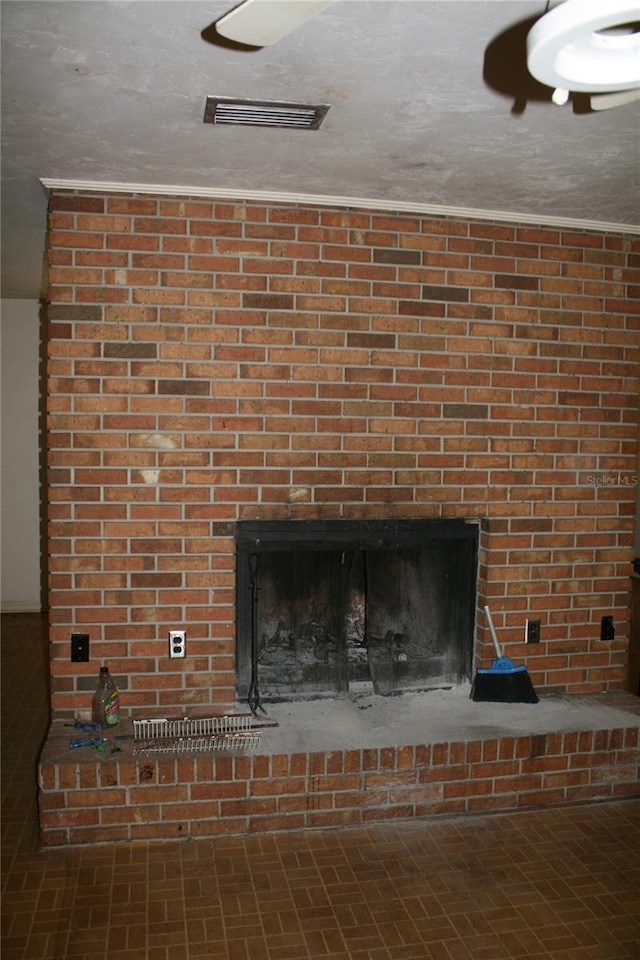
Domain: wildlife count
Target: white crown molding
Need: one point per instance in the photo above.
(359, 203)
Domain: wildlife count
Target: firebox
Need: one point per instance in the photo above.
(325, 608)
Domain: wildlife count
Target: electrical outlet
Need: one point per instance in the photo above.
(79, 648)
(532, 631)
(177, 643)
(607, 629)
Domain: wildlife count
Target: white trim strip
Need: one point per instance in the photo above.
(21, 606)
(359, 203)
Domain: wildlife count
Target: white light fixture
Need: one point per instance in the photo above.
(577, 48)
(259, 23)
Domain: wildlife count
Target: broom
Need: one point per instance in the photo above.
(503, 681)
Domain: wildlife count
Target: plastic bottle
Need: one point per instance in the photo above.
(105, 706)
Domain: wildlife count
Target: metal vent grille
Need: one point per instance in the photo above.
(264, 113)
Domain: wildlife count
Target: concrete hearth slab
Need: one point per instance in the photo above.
(364, 720)
(436, 716)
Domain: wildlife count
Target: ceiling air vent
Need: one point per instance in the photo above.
(264, 113)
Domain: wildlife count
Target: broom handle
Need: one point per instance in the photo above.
(493, 631)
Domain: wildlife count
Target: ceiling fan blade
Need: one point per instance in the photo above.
(259, 23)
(605, 101)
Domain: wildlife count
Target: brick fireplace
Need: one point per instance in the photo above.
(212, 364)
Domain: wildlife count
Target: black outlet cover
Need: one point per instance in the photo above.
(607, 630)
(79, 648)
(533, 631)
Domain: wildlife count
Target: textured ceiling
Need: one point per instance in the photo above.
(431, 104)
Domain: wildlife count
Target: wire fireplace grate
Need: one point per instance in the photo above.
(197, 734)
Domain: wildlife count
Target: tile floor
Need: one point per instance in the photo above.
(542, 885)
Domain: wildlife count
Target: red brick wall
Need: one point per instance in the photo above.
(211, 361)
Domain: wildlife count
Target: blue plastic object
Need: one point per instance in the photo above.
(96, 742)
(502, 666)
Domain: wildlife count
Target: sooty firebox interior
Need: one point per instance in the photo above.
(328, 607)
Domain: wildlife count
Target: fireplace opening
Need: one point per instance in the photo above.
(329, 608)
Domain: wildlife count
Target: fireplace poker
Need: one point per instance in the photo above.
(254, 693)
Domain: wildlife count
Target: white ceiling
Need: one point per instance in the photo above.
(431, 106)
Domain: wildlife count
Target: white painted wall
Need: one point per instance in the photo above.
(19, 450)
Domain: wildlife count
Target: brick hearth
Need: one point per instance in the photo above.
(91, 798)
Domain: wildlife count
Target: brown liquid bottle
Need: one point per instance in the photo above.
(105, 706)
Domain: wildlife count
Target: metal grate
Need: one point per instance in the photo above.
(197, 734)
(264, 113)
(222, 741)
(163, 729)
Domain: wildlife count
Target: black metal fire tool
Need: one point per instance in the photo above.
(254, 694)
